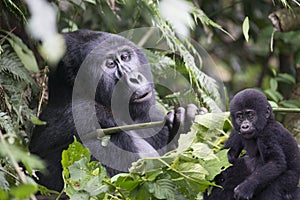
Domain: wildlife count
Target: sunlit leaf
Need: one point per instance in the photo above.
(246, 29)
(37, 121)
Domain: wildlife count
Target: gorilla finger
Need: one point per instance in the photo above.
(190, 114)
(179, 119)
(169, 118)
(202, 111)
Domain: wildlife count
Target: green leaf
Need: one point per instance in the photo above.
(193, 170)
(246, 28)
(128, 185)
(215, 166)
(142, 192)
(85, 176)
(273, 104)
(202, 151)
(291, 103)
(185, 140)
(162, 189)
(23, 190)
(80, 196)
(21, 155)
(273, 84)
(286, 78)
(91, 1)
(3, 195)
(3, 182)
(74, 153)
(36, 121)
(24, 53)
(273, 95)
(212, 120)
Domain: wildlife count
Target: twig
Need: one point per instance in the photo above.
(109, 131)
(287, 110)
(44, 88)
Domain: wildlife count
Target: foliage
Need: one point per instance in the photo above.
(220, 26)
(17, 88)
(180, 174)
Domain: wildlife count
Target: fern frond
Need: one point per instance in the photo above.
(11, 64)
(205, 86)
(6, 123)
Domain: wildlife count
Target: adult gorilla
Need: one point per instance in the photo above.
(271, 167)
(103, 81)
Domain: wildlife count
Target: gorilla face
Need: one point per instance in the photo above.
(123, 65)
(118, 71)
(250, 112)
(246, 119)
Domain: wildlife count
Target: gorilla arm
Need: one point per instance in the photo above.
(274, 164)
(235, 146)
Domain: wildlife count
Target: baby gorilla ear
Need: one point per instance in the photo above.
(268, 113)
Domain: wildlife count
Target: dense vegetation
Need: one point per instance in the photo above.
(220, 48)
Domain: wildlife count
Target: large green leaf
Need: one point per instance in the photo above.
(24, 53)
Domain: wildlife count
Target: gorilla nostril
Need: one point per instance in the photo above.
(134, 80)
(246, 126)
(140, 78)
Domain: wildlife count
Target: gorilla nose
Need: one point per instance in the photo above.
(136, 79)
(245, 126)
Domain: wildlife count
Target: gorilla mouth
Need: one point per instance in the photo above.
(141, 95)
(247, 134)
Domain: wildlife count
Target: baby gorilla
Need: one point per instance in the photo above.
(271, 167)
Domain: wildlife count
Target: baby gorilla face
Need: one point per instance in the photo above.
(246, 120)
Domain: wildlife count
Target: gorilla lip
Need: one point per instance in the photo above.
(138, 97)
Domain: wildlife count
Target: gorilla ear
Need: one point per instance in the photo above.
(268, 113)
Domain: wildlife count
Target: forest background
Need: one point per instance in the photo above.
(239, 44)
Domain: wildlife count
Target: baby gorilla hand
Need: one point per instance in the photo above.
(243, 191)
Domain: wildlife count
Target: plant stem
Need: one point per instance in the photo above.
(14, 163)
(287, 110)
(109, 131)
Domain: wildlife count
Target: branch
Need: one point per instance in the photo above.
(99, 133)
(287, 110)
(286, 20)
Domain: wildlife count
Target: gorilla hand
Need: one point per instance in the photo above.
(182, 118)
(243, 191)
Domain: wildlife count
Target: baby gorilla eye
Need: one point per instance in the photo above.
(250, 115)
(239, 116)
(125, 56)
(110, 63)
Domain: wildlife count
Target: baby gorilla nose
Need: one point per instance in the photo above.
(245, 126)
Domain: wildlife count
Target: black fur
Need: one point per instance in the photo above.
(271, 166)
(75, 102)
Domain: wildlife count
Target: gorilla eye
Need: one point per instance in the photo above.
(125, 57)
(110, 63)
(239, 116)
(250, 115)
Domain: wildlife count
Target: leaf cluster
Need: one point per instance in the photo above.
(180, 174)
(17, 89)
